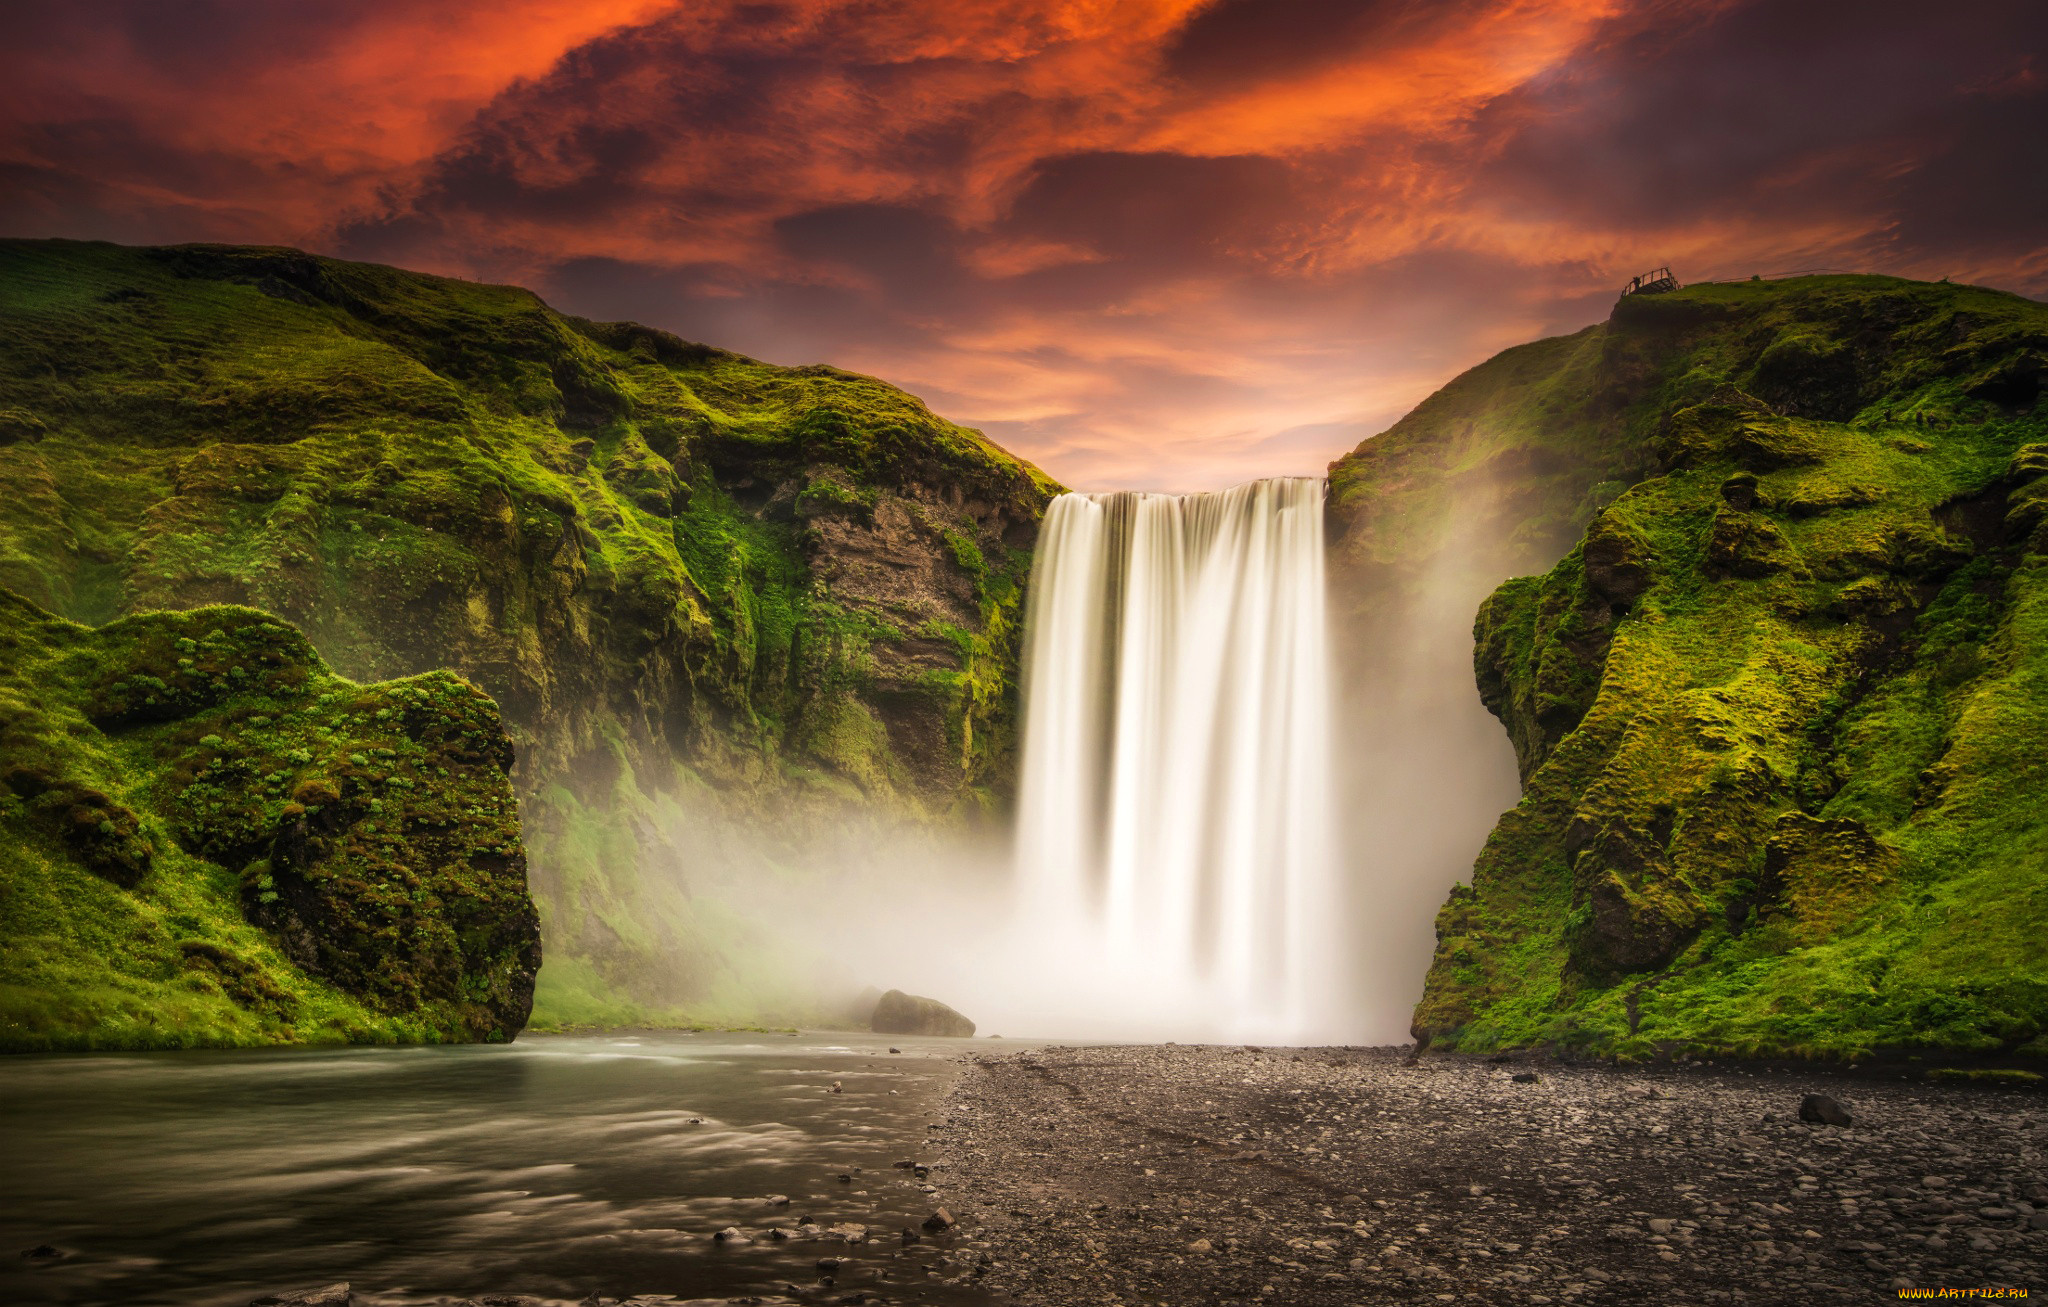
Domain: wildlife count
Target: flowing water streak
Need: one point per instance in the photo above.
(1173, 825)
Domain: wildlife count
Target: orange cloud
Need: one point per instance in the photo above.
(1146, 241)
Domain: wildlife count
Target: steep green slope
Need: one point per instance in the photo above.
(698, 585)
(1778, 711)
(206, 837)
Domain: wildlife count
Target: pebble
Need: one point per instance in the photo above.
(1337, 1177)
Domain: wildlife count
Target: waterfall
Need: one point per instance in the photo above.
(1173, 828)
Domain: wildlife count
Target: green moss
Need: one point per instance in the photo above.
(1778, 713)
(662, 559)
(209, 838)
(829, 493)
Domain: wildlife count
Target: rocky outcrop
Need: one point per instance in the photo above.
(206, 837)
(898, 1013)
(703, 589)
(1775, 698)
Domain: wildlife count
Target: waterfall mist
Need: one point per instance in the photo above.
(1226, 829)
(1425, 771)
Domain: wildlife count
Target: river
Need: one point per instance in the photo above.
(558, 1166)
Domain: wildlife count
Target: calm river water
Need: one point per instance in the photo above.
(559, 1166)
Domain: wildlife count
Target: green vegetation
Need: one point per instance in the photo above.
(1768, 629)
(1780, 711)
(698, 585)
(206, 837)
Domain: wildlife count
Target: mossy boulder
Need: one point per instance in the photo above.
(210, 838)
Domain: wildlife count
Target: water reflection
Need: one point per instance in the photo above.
(558, 1166)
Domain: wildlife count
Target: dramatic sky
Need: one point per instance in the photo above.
(1162, 243)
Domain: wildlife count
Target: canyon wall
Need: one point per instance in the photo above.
(721, 603)
(1774, 690)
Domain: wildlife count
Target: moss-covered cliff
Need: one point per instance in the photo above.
(206, 837)
(1779, 709)
(695, 583)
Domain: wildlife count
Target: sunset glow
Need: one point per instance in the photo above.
(1159, 244)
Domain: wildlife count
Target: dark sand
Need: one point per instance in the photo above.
(1196, 1175)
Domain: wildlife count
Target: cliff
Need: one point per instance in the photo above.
(707, 592)
(1777, 707)
(206, 837)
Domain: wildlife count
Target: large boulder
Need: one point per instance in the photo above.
(226, 843)
(898, 1013)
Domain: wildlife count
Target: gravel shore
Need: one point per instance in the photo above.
(1209, 1175)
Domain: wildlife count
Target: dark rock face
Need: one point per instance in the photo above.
(1618, 563)
(1748, 545)
(898, 1013)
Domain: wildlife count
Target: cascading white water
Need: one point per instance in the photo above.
(1174, 827)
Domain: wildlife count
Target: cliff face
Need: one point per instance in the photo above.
(695, 583)
(1778, 709)
(206, 837)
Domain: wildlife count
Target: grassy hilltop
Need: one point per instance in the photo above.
(1781, 703)
(694, 582)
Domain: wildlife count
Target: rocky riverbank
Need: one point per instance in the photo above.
(1188, 1175)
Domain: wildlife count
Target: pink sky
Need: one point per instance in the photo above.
(1169, 245)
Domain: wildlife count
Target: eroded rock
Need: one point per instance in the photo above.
(1822, 1110)
(898, 1013)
